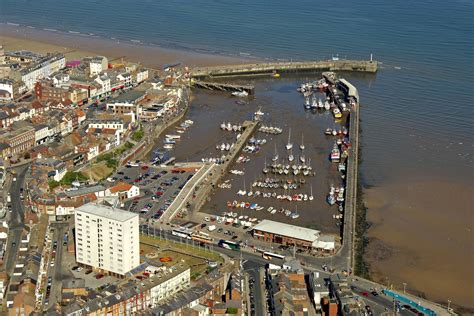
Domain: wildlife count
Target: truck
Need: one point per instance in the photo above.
(211, 228)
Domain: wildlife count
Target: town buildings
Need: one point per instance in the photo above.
(107, 238)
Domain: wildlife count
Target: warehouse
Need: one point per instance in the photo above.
(285, 234)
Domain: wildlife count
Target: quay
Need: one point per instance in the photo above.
(202, 73)
(219, 86)
(199, 187)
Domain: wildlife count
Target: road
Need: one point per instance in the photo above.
(58, 271)
(16, 218)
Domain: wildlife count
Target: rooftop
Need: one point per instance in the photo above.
(106, 212)
(85, 190)
(287, 230)
(129, 97)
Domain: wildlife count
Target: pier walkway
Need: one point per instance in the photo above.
(219, 86)
(284, 67)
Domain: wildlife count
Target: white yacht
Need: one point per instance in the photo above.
(289, 145)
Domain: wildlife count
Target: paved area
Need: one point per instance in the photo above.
(159, 187)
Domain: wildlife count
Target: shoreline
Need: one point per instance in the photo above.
(75, 46)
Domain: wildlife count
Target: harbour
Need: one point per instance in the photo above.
(268, 173)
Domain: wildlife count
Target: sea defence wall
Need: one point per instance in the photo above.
(284, 67)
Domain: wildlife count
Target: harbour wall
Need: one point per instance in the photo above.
(284, 67)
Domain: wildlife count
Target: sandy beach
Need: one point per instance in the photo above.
(75, 47)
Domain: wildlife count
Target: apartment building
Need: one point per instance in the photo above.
(107, 238)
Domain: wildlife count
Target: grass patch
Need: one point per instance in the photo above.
(98, 171)
(138, 135)
(196, 257)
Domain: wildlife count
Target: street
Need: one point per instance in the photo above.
(16, 218)
(57, 271)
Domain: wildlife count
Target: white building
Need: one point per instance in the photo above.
(96, 64)
(104, 82)
(42, 134)
(44, 68)
(107, 238)
(176, 280)
(6, 89)
(141, 75)
(123, 189)
(109, 124)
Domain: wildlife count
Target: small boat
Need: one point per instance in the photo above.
(189, 122)
(291, 157)
(328, 131)
(168, 146)
(331, 200)
(302, 144)
(289, 145)
(307, 103)
(327, 106)
(276, 75)
(314, 103)
(302, 159)
(335, 153)
(337, 113)
(240, 94)
(275, 158)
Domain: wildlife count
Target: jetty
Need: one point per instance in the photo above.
(203, 73)
(200, 186)
(219, 86)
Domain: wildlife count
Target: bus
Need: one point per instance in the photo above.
(229, 244)
(182, 232)
(269, 255)
(202, 237)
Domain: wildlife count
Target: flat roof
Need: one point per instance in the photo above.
(107, 212)
(287, 230)
(85, 190)
(130, 97)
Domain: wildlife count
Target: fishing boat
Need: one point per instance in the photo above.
(337, 113)
(289, 145)
(331, 199)
(240, 94)
(335, 153)
(302, 144)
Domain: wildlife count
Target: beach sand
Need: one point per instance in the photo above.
(75, 47)
(415, 221)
